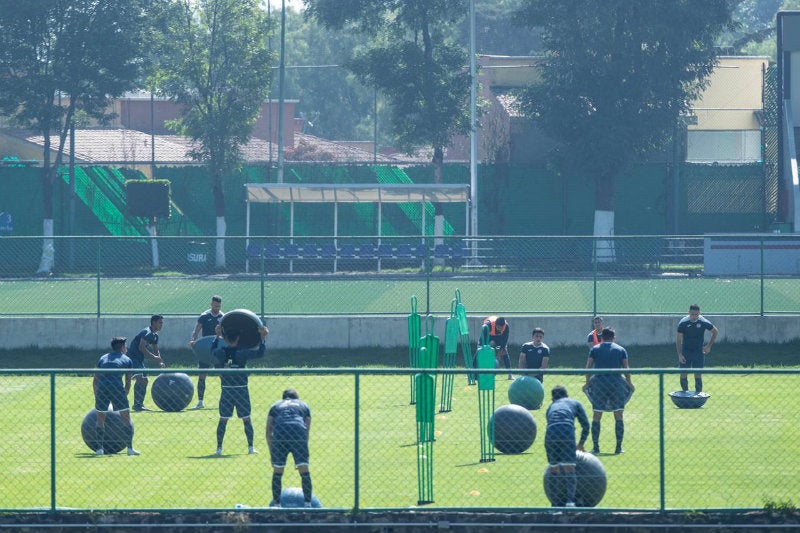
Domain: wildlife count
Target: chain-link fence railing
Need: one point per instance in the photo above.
(367, 450)
(734, 274)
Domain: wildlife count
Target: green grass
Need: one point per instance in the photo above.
(730, 454)
(390, 294)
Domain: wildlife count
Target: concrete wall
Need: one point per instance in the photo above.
(343, 332)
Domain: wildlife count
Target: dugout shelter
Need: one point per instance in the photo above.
(339, 193)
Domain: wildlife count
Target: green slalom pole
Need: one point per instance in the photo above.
(463, 332)
(414, 332)
(431, 344)
(485, 359)
(426, 413)
(451, 334)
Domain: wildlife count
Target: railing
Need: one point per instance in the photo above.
(732, 453)
(731, 274)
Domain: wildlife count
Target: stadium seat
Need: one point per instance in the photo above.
(441, 251)
(367, 251)
(272, 251)
(291, 251)
(308, 250)
(254, 250)
(347, 251)
(404, 251)
(328, 251)
(385, 251)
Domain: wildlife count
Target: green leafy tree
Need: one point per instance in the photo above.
(410, 59)
(60, 58)
(218, 66)
(616, 78)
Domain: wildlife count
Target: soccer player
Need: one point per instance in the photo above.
(690, 345)
(288, 426)
(235, 393)
(109, 391)
(608, 392)
(145, 343)
(207, 324)
(594, 337)
(535, 354)
(559, 438)
(499, 331)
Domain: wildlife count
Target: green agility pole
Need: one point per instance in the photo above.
(414, 332)
(451, 335)
(426, 413)
(485, 359)
(463, 332)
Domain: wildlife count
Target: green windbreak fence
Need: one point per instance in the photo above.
(512, 200)
(727, 450)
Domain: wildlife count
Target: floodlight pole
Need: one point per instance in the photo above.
(473, 136)
(281, 76)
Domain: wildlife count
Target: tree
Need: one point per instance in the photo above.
(59, 58)
(616, 78)
(409, 59)
(218, 66)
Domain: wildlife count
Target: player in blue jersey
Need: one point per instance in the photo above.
(559, 438)
(608, 392)
(691, 345)
(206, 325)
(288, 425)
(535, 354)
(235, 393)
(110, 393)
(145, 344)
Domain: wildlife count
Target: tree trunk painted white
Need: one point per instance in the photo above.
(604, 227)
(220, 245)
(151, 229)
(48, 248)
(438, 231)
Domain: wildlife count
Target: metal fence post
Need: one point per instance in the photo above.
(594, 276)
(762, 276)
(52, 441)
(661, 465)
(99, 244)
(356, 450)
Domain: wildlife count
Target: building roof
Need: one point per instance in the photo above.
(118, 146)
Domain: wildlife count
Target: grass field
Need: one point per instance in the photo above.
(390, 295)
(730, 454)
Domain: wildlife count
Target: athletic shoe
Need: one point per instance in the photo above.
(99, 451)
(595, 450)
(510, 377)
(273, 503)
(131, 451)
(218, 451)
(251, 450)
(200, 405)
(307, 505)
(140, 408)
(569, 504)
(619, 450)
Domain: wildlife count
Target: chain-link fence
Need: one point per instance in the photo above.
(735, 451)
(734, 274)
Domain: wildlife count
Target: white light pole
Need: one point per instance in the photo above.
(281, 77)
(473, 134)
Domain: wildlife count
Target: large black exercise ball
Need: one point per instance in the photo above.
(246, 323)
(514, 429)
(115, 436)
(202, 349)
(526, 391)
(172, 392)
(591, 487)
(293, 497)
